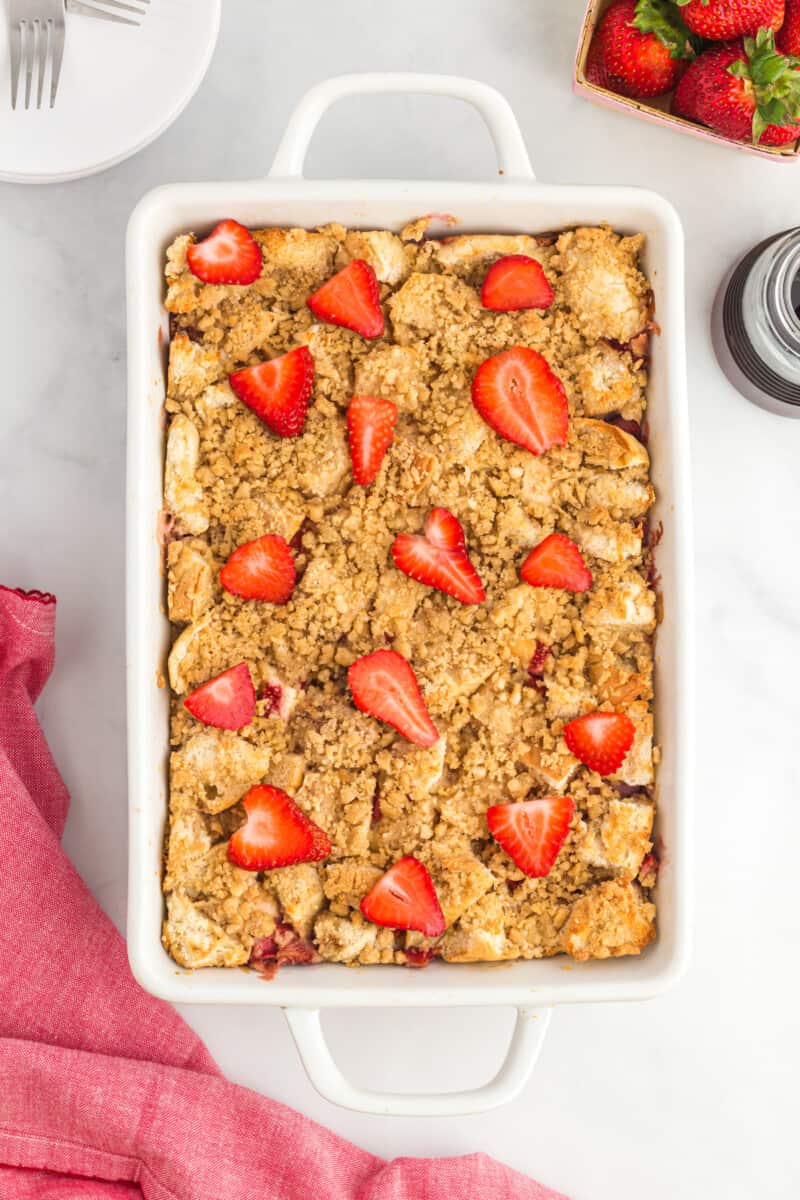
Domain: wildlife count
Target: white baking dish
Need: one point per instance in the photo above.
(513, 202)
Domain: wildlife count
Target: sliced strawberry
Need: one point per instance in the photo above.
(351, 298)
(557, 563)
(230, 254)
(278, 391)
(444, 530)
(370, 425)
(438, 558)
(384, 686)
(227, 701)
(519, 396)
(405, 898)
(532, 832)
(601, 740)
(277, 833)
(516, 282)
(260, 570)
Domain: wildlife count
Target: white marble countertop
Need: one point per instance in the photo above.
(692, 1095)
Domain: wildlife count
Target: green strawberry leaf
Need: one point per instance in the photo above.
(772, 112)
(660, 18)
(775, 80)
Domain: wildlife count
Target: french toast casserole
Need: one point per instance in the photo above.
(410, 582)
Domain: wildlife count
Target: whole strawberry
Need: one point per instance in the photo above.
(787, 39)
(639, 48)
(719, 20)
(745, 90)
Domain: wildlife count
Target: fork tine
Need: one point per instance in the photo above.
(91, 10)
(28, 37)
(44, 45)
(15, 39)
(120, 5)
(56, 56)
(103, 14)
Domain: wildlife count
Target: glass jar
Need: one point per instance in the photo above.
(756, 324)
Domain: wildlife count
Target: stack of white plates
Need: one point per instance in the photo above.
(120, 88)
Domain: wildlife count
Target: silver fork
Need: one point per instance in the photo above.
(36, 37)
(100, 8)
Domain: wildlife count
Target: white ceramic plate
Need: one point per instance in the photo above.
(120, 88)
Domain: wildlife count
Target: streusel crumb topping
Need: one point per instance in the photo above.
(229, 480)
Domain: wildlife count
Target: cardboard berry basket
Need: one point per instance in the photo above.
(510, 202)
(657, 108)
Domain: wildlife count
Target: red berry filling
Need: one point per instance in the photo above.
(272, 693)
(284, 948)
(536, 667)
(417, 956)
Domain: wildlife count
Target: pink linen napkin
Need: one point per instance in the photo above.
(105, 1093)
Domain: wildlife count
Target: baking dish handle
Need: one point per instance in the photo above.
(512, 157)
(520, 1059)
